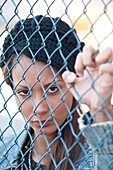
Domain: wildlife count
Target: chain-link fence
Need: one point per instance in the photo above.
(55, 93)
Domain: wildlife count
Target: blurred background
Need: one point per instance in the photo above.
(92, 19)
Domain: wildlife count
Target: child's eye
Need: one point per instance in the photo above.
(53, 90)
(23, 92)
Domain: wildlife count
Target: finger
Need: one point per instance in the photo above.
(69, 77)
(79, 66)
(104, 56)
(88, 60)
(106, 68)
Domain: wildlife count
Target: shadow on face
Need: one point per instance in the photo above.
(40, 95)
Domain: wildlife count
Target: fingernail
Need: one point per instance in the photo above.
(70, 77)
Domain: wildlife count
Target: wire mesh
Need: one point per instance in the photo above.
(51, 118)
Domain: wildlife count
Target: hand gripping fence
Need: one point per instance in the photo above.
(51, 117)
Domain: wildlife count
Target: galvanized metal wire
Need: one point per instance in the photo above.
(90, 19)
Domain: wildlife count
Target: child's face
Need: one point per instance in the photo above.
(36, 103)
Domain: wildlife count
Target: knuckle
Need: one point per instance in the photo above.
(87, 48)
(77, 68)
(78, 60)
(110, 50)
(79, 54)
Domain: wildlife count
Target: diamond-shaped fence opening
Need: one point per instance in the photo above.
(56, 83)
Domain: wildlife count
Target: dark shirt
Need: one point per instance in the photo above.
(34, 165)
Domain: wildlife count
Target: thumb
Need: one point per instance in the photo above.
(69, 77)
